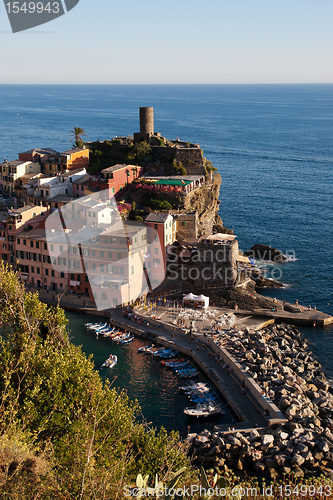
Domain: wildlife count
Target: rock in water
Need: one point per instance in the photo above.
(264, 252)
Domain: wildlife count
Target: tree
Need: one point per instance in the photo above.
(135, 171)
(77, 136)
(54, 399)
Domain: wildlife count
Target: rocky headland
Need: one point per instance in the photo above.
(290, 377)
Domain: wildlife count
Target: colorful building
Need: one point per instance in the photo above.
(11, 171)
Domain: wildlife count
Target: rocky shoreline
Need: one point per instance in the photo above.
(279, 361)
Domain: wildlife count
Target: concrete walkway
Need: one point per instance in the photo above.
(243, 405)
(305, 316)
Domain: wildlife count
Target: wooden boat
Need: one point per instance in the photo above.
(168, 354)
(110, 362)
(172, 362)
(206, 400)
(161, 351)
(175, 366)
(126, 340)
(186, 368)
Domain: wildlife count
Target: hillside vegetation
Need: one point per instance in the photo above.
(63, 432)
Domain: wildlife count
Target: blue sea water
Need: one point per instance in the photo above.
(272, 145)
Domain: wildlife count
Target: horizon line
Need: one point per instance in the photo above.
(170, 84)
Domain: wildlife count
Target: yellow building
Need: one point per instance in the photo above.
(10, 171)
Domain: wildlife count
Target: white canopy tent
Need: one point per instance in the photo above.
(196, 301)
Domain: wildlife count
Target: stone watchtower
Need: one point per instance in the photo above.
(146, 125)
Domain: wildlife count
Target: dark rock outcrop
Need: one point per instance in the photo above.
(264, 252)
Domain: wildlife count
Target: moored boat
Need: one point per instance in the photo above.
(110, 362)
(207, 410)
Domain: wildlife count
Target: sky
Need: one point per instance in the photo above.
(183, 41)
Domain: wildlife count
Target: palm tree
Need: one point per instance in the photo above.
(78, 133)
(135, 171)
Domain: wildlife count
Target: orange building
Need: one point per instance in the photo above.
(75, 158)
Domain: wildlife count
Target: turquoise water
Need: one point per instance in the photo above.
(272, 145)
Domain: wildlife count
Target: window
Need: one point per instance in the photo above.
(46, 272)
(135, 239)
(18, 241)
(102, 268)
(78, 277)
(166, 237)
(61, 248)
(72, 277)
(102, 253)
(93, 253)
(93, 266)
(34, 213)
(170, 224)
(104, 296)
(112, 190)
(156, 238)
(183, 223)
(156, 251)
(52, 273)
(51, 247)
(86, 279)
(132, 269)
(24, 242)
(81, 188)
(32, 269)
(31, 244)
(120, 270)
(45, 246)
(62, 275)
(110, 255)
(38, 270)
(155, 226)
(156, 261)
(37, 244)
(119, 255)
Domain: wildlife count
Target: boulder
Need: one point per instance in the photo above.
(323, 446)
(281, 459)
(298, 473)
(297, 460)
(281, 436)
(270, 463)
(234, 441)
(259, 466)
(267, 439)
(254, 435)
(301, 447)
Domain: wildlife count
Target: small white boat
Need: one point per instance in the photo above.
(195, 386)
(110, 362)
(145, 348)
(204, 410)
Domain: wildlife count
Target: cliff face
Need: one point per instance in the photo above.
(205, 201)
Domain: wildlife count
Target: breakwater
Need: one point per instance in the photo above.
(278, 375)
(290, 377)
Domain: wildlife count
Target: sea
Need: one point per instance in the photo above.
(272, 145)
